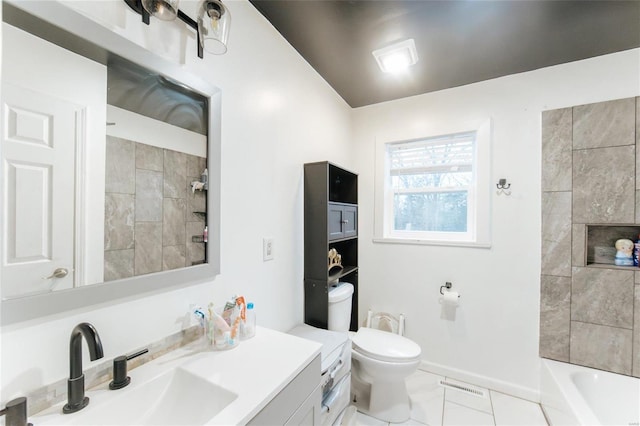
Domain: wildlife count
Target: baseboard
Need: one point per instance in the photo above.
(508, 388)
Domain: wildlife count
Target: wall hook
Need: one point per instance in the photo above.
(503, 187)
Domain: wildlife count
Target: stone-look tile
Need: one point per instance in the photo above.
(557, 149)
(637, 280)
(457, 415)
(637, 204)
(120, 166)
(555, 296)
(604, 124)
(637, 144)
(556, 233)
(119, 218)
(602, 347)
(149, 188)
(195, 251)
(602, 296)
(604, 185)
(118, 264)
(578, 245)
(173, 257)
(512, 411)
(195, 165)
(174, 222)
(175, 174)
(426, 396)
(149, 157)
(148, 257)
(636, 332)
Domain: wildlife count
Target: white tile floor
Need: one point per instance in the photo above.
(434, 405)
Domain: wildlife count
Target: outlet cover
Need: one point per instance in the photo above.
(267, 249)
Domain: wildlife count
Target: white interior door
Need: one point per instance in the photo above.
(60, 92)
(39, 142)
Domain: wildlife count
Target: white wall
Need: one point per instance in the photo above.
(277, 114)
(494, 337)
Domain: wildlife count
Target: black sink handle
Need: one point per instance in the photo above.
(120, 378)
(16, 412)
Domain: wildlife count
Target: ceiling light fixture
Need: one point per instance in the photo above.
(396, 57)
(212, 25)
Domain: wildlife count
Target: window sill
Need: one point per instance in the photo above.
(407, 241)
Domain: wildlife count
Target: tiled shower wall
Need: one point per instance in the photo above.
(150, 209)
(589, 314)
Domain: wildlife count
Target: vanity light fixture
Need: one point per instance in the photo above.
(211, 25)
(396, 57)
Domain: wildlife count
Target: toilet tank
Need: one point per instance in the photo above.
(340, 306)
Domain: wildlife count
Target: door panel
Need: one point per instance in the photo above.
(28, 236)
(39, 144)
(350, 221)
(335, 221)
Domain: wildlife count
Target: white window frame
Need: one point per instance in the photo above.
(478, 232)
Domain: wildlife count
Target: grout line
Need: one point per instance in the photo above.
(493, 412)
(444, 399)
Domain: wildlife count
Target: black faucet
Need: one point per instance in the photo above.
(75, 385)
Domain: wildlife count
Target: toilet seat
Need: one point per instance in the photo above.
(385, 346)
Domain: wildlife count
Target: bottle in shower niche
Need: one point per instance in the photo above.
(636, 252)
(249, 328)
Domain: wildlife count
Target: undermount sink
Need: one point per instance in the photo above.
(191, 386)
(177, 397)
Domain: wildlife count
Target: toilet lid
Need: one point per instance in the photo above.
(385, 346)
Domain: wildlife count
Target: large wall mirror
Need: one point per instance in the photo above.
(110, 166)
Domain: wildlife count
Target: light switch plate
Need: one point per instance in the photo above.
(267, 249)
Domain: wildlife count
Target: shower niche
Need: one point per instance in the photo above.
(600, 244)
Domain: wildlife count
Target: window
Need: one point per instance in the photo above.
(430, 189)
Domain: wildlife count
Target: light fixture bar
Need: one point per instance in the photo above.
(136, 5)
(190, 22)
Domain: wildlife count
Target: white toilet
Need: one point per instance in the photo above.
(380, 362)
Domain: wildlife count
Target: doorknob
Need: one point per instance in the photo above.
(58, 273)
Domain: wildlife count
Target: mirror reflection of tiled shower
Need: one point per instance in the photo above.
(154, 221)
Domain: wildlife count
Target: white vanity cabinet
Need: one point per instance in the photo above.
(298, 403)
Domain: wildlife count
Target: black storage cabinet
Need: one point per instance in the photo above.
(330, 221)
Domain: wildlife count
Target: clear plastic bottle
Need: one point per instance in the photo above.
(249, 329)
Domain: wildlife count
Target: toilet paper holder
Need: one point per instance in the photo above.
(446, 285)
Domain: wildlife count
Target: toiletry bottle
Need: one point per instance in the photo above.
(204, 178)
(636, 252)
(249, 329)
(205, 234)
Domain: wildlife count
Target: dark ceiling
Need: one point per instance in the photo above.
(458, 42)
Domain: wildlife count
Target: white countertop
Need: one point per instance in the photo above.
(256, 370)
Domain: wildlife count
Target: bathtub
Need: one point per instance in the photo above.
(575, 395)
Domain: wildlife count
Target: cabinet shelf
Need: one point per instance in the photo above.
(611, 266)
(347, 270)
